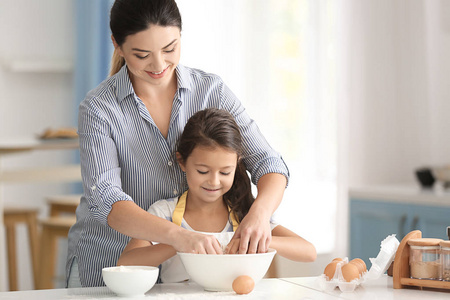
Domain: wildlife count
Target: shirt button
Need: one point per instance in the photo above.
(93, 188)
(169, 163)
(175, 192)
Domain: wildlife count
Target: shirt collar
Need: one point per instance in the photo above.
(183, 78)
(125, 88)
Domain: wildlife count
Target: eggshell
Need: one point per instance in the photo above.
(330, 269)
(360, 263)
(243, 284)
(350, 272)
(337, 259)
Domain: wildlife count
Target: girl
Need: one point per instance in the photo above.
(218, 198)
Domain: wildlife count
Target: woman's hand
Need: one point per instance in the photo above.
(193, 242)
(233, 246)
(254, 231)
(253, 234)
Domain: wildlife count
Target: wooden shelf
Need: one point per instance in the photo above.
(13, 145)
(38, 65)
(401, 276)
(436, 284)
(66, 173)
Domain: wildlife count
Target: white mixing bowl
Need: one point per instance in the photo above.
(217, 272)
(130, 281)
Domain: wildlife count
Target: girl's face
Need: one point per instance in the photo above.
(152, 55)
(209, 173)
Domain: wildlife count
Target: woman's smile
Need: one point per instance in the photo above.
(157, 75)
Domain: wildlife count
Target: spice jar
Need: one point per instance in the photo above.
(445, 260)
(424, 258)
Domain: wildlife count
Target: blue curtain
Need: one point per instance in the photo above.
(93, 50)
(93, 45)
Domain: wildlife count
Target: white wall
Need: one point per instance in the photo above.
(30, 102)
(393, 94)
(438, 66)
(397, 88)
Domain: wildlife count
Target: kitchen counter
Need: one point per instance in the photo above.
(266, 289)
(283, 288)
(379, 289)
(412, 194)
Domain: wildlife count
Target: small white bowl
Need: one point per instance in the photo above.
(130, 281)
(217, 272)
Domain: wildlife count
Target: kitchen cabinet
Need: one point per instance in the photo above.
(378, 212)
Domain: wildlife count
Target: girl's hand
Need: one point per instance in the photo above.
(233, 246)
(193, 242)
(253, 234)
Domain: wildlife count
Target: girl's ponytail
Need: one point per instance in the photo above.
(240, 198)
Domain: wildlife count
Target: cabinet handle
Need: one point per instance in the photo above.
(414, 223)
(401, 228)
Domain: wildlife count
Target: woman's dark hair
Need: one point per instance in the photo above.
(128, 17)
(217, 128)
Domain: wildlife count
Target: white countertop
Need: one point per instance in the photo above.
(379, 289)
(266, 289)
(407, 193)
(283, 288)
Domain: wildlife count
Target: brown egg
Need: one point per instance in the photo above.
(330, 269)
(243, 284)
(337, 259)
(360, 263)
(350, 271)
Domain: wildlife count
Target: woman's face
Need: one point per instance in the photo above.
(152, 55)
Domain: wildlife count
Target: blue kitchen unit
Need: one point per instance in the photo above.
(376, 212)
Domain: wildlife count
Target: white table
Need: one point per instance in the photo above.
(65, 173)
(270, 289)
(283, 288)
(379, 289)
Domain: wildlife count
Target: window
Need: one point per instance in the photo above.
(277, 56)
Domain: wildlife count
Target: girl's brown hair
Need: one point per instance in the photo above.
(217, 128)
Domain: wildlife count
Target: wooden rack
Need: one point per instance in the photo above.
(401, 272)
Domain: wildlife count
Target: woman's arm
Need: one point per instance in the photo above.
(144, 253)
(254, 231)
(128, 218)
(287, 243)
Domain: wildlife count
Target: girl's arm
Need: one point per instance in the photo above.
(287, 243)
(292, 246)
(144, 253)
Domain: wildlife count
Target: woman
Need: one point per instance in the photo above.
(128, 128)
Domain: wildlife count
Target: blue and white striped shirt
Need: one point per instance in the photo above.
(124, 156)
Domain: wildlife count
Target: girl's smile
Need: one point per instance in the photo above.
(211, 190)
